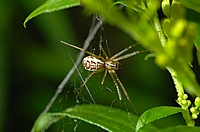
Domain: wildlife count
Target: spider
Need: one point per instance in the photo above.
(99, 63)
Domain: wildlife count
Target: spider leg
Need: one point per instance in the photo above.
(102, 82)
(89, 53)
(103, 79)
(84, 83)
(124, 90)
(126, 94)
(86, 80)
(129, 55)
(102, 49)
(111, 72)
(123, 51)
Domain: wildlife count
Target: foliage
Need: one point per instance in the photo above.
(170, 39)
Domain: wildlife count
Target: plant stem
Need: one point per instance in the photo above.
(187, 117)
(177, 82)
(179, 89)
(159, 30)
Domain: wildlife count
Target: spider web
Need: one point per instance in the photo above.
(66, 94)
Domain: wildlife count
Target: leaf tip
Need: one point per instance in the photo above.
(24, 24)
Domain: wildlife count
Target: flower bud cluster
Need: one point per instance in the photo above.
(179, 34)
(196, 109)
(182, 100)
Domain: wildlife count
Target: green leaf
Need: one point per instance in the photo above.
(155, 114)
(181, 129)
(110, 119)
(51, 6)
(138, 29)
(135, 5)
(192, 4)
(198, 56)
(192, 17)
(44, 121)
(105, 117)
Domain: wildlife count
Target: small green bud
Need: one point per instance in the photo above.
(167, 27)
(194, 112)
(162, 60)
(188, 102)
(184, 49)
(179, 99)
(193, 109)
(166, 7)
(194, 116)
(184, 102)
(191, 30)
(178, 28)
(171, 48)
(177, 11)
(185, 96)
(180, 94)
(197, 102)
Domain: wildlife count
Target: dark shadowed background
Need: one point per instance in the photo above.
(33, 62)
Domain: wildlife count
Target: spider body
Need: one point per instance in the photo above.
(92, 63)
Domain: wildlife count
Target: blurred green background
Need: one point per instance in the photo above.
(33, 63)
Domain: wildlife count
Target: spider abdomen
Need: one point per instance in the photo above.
(92, 63)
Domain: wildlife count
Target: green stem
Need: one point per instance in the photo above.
(187, 117)
(159, 30)
(179, 89)
(177, 82)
